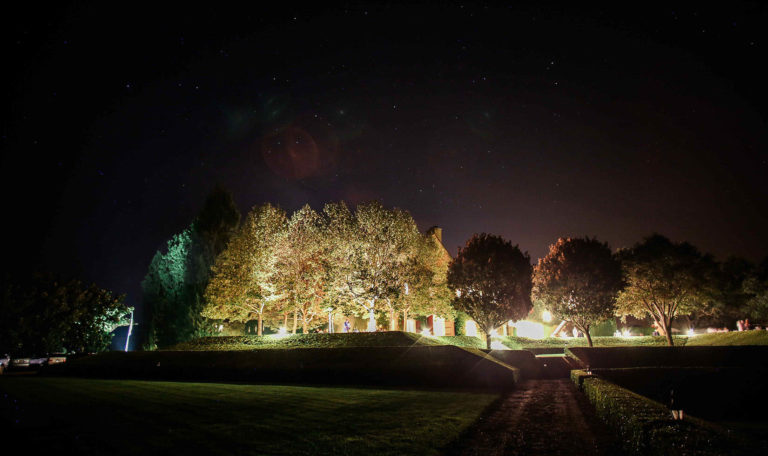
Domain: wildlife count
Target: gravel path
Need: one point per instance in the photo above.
(542, 417)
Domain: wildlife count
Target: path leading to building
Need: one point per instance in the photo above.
(542, 417)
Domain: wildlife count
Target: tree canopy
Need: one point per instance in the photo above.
(664, 279)
(245, 281)
(579, 280)
(44, 313)
(492, 281)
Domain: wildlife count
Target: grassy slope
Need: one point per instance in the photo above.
(518, 343)
(731, 338)
(138, 417)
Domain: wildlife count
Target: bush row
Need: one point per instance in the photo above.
(646, 427)
(715, 356)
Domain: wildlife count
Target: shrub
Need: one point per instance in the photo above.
(617, 357)
(646, 427)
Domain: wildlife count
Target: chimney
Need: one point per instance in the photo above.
(437, 232)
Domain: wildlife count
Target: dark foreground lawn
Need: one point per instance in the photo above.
(122, 417)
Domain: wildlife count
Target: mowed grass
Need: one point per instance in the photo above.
(522, 343)
(122, 417)
(755, 337)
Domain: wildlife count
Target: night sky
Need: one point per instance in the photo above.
(529, 122)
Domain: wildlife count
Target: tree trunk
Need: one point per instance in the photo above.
(666, 326)
(392, 320)
(488, 340)
(259, 325)
(295, 320)
(586, 333)
(304, 325)
(285, 321)
(405, 320)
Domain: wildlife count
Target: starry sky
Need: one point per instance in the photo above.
(532, 122)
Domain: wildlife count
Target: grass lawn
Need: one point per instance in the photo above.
(731, 338)
(119, 417)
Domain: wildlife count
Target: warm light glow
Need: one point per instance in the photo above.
(425, 332)
(691, 332)
(410, 325)
(470, 328)
(529, 329)
(625, 333)
(546, 316)
(496, 345)
(438, 325)
(494, 333)
(617, 333)
(282, 331)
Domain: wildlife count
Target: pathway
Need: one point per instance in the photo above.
(542, 417)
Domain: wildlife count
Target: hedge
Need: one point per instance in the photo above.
(417, 366)
(646, 427)
(720, 356)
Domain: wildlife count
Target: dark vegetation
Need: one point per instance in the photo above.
(715, 356)
(646, 428)
(712, 393)
(415, 366)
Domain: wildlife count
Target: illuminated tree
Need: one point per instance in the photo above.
(44, 313)
(370, 249)
(175, 283)
(579, 280)
(244, 281)
(424, 289)
(664, 279)
(169, 288)
(303, 258)
(492, 282)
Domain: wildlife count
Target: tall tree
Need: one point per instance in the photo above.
(303, 259)
(244, 281)
(372, 247)
(664, 279)
(492, 281)
(174, 287)
(579, 280)
(423, 282)
(168, 288)
(216, 223)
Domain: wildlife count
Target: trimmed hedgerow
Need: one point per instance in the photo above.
(716, 356)
(420, 366)
(377, 339)
(646, 427)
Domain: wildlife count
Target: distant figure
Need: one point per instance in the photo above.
(740, 325)
(575, 332)
(677, 412)
(746, 324)
(347, 325)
